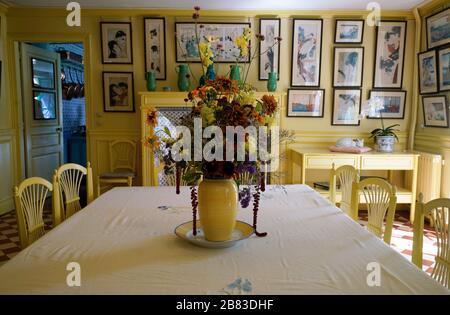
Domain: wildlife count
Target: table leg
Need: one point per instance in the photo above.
(414, 189)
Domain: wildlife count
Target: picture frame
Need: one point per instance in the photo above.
(349, 31)
(346, 107)
(438, 29)
(155, 46)
(348, 66)
(269, 58)
(224, 50)
(428, 78)
(118, 91)
(394, 104)
(44, 105)
(435, 113)
(389, 55)
(444, 69)
(117, 43)
(306, 52)
(305, 103)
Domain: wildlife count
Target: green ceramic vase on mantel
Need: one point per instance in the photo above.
(183, 78)
(272, 82)
(235, 73)
(151, 81)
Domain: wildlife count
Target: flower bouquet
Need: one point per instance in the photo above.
(221, 148)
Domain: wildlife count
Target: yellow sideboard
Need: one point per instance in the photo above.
(303, 159)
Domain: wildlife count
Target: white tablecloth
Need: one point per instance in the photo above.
(125, 243)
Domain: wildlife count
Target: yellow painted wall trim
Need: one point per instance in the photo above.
(431, 5)
(32, 11)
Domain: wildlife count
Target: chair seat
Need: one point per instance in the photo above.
(118, 174)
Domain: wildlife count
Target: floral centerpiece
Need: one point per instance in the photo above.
(221, 145)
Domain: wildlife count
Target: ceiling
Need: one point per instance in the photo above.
(228, 4)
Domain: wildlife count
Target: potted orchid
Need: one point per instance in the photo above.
(384, 137)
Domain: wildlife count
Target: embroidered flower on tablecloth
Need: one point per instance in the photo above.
(238, 286)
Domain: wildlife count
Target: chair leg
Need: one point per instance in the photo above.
(130, 181)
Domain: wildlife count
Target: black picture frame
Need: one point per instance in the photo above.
(445, 108)
(441, 72)
(360, 41)
(277, 47)
(293, 84)
(322, 109)
(107, 108)
(177, 45)
(427, 21)
(361, 70)
(148, 49)
(435, 55)
(53, 94)
(404, 92)
(402, 62)
(334, 106)
(109, 60)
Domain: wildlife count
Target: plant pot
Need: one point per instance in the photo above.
(217, 206)
(385, 143)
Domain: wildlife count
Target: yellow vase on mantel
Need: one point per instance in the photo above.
(217, 206)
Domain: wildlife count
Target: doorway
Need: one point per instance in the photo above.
(54, 107)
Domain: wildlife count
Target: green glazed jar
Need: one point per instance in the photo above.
(183, 78)
(272, 82)
(151, 81)
(235, 73)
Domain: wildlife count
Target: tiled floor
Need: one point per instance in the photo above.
(402, 237)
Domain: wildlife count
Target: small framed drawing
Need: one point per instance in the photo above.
(348, 66)
(269, 60)
(224, 49)
(44, 105)
(444, 69)
(393, 104)
(346, 107)
(305, 103)
(389, 55)
(155, 46)
(349, 31)
(427, 72)
(306, 52)
(116, 42)
(435, 111)
(118, 90)
(438, 29)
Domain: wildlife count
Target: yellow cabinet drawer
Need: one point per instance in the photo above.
(326, 162)
(387, 162)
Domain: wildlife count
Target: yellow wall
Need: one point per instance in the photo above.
(50, 25)
(435, 140)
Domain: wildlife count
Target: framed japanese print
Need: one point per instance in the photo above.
(116, 42)
(306, 52)
(438, 29)
(155, 46)
(393, 104)
(269, 60)
(305, 103)
(223, 48)
(346, 107)
(389, 54)
(444, 69)
(348, 66)
(118, 92)
(427, 72)
(435, 111)
(349, 32)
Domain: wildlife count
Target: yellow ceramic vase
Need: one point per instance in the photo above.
(217, 205)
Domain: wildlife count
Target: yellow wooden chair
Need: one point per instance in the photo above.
(67, 181)
(346, 175)
(122, 165)
(381, 200)
(29, 199)
(439, 211)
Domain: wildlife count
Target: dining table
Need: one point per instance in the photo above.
(124, 243)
